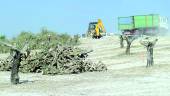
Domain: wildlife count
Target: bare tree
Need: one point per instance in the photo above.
(15, 67)
(149, 44)
(129, 40)
(17, 56)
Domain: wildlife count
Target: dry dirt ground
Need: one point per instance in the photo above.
(126, 75)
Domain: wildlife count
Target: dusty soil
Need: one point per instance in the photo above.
(126, 75)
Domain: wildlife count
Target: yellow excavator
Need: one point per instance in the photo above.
(96, 29)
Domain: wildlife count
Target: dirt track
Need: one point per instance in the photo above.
(127, 76)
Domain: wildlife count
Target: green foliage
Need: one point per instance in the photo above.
(22, 38)
(43, 39)
(2, 37)
(3, 49)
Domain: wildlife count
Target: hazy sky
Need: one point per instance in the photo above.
(71, 16)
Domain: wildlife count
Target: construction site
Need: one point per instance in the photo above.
(134, 61)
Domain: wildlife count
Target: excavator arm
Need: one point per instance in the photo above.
(96, 29)
(99, 27)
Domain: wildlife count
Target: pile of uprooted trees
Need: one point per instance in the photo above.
(57, 60)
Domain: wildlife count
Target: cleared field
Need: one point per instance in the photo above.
(127, 75)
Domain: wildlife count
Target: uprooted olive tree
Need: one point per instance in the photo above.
(129, 40)
(149, 43)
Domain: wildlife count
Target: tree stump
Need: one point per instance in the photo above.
(129, 40)
(149, 44)
(15, 67)
(121, 41)
(17, 56)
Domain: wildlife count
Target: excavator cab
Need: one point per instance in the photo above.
(96, 29)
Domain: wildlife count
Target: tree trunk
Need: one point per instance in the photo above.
(121, 42)
(150, 56)
(15, 68)
(152, 62)
(129, 40)
(149, 45)
(128, 48)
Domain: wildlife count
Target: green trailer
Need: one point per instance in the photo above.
(140, 24)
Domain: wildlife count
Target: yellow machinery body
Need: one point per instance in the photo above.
(96, 29)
